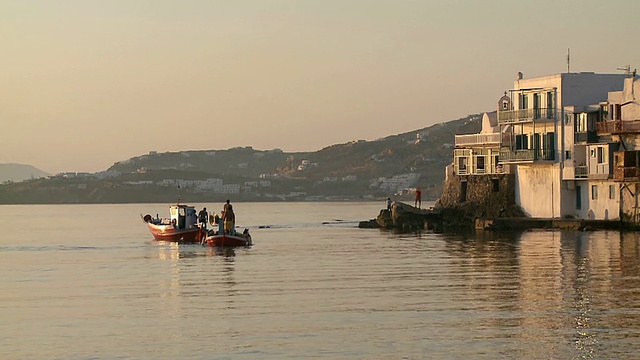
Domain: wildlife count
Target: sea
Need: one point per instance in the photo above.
(89, 282)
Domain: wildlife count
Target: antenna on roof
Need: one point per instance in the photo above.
(568, 60)
(626, 69)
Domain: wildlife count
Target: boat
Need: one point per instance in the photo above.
(228, 240)
(220, 238)
(182, 225)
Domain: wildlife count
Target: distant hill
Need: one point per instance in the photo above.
(425, 152)
(389, 166)
(19, 172)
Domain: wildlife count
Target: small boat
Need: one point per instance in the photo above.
(182, 225)
(228, 240)
(220, 238)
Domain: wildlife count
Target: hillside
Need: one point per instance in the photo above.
(354, 170)
(19, 172)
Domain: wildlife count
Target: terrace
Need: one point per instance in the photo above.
(526, 115)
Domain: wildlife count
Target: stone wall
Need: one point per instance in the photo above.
(486, 196)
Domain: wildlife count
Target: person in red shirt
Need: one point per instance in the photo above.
(418, 202)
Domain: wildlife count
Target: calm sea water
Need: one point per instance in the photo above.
(87, 282)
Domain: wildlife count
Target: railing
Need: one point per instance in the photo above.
(488, 169)
(618, 127)
(626, 174)
(477, 139)
(511, 116)
(581, 172)
(518, 155)
(585, 137)
(527, 155)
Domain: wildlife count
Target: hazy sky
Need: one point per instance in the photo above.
(84, 84)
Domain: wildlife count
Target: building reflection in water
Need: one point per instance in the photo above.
(560, 292)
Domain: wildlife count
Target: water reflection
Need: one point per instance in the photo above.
(221, 251)
(194, 270)
(540, 274)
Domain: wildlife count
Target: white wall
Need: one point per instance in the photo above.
(582, 89)
(538, 190)
(602, 208)
(631, 95)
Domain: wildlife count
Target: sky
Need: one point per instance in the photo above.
(87, 83)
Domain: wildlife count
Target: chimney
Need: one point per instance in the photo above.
(519, 75)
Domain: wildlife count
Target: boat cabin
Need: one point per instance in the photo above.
(183, 216)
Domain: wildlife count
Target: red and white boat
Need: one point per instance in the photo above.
(228, 240)
(182, 225)
(218, 237)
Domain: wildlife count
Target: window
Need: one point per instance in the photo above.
(612, 192)
(524, 101)
(581, 123)
(604, 113)
(481, 163)
(462, 165)
(549, 145)
(600, 155)
(594, 192)
(536, 106)
(567, 154)
(593, 153)
(522, 142)
(578, 197)
(611, 112)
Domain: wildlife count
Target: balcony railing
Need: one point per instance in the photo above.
(585, 137)
(581, 172)
(518, 155)
(618, 127)
(477, 139)
(627, 174)
(488, 169)
(511, 116)
(526, 155)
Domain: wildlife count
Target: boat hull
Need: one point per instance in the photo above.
(227, 240)
(169, 233)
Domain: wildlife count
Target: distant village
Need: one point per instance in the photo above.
(398, 184)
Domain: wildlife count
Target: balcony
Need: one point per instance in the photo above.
(526, 155)
(581, 172)
(526, 115)
(471, 140)
(515, 156)
(627, 174)
(626, 166)
(618, 127)
(585, 137)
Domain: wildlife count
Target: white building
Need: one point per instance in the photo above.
(477, 154)
(540, 137)
(571, 141)
(617, 150)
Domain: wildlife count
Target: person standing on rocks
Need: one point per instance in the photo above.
(418, 202)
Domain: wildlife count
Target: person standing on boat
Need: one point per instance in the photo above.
(202, 218)
(418, 202)
(229, 218)
(389, 203)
